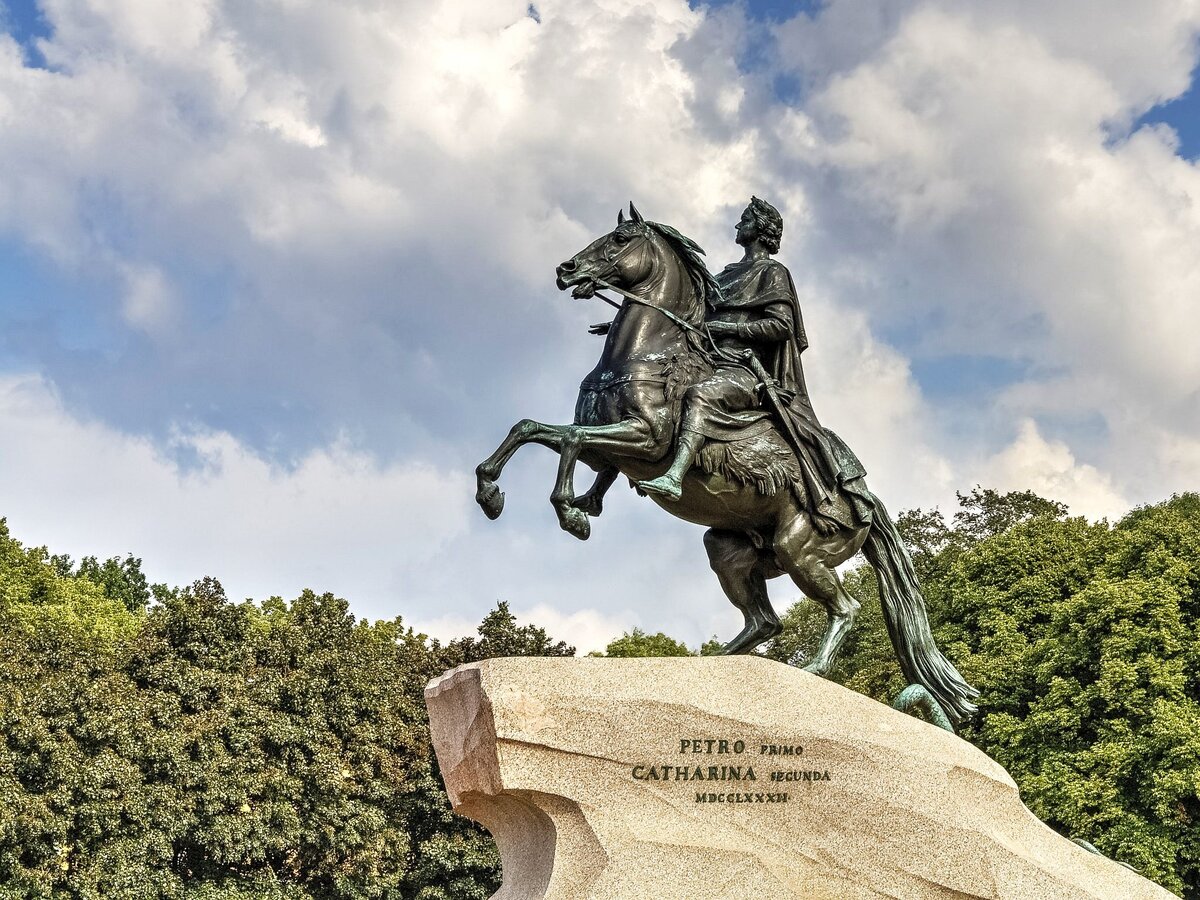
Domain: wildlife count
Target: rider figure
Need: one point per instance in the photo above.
(757, 313)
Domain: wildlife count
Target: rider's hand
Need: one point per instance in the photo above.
(722, 328)
(601, 328)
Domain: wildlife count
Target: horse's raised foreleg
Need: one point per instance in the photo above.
(810, 559)
(630, 438)
(571, 518)
(527, 431)
(739, 568)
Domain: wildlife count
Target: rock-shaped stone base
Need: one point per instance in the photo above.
(723, 777)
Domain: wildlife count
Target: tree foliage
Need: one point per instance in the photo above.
(198, 748)
(637, 643)
(500, 635)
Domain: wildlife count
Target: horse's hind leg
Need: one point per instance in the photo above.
(810, 559)
(527, 431)
(739, 567)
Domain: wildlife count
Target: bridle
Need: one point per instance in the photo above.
(615, 260)
(705, 345)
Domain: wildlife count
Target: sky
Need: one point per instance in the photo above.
(275, 276)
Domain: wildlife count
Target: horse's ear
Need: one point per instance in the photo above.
(634, 214)
(620, 217)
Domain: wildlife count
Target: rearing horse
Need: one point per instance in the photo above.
(625, 423)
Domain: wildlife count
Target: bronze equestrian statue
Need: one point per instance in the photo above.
(699, 399)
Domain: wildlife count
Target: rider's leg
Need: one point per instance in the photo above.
(670, 483)
(718, 398)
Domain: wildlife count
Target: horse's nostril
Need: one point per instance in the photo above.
(568, 266)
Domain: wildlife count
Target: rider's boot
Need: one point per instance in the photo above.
(669, 485)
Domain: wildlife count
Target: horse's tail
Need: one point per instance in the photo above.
(907, 622)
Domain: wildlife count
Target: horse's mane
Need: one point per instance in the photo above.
(690, 254)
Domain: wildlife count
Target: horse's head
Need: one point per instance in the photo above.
(632, 254)
(625, 257)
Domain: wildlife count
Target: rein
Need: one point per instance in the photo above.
(708, 347)
(598, 280)
(644, 302)
(705, 345)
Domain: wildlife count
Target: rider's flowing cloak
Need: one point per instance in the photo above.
(757, 284)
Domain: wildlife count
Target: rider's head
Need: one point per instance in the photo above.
(767, 222)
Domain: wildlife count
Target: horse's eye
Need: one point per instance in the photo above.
(621, 237)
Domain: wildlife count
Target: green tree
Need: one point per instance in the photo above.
(637, 643)
(120, 579)
(64, 703)
(1083, 640)
(984, 513)
(203, 749)
(500, 635)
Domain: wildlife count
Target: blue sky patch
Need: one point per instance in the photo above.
(958, 375)
(24, 21)
(1182, 114)
(43, 310)
(772, 10)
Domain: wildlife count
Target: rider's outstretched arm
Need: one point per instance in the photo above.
(775, 325)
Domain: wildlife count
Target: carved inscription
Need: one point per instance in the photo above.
(745, 765)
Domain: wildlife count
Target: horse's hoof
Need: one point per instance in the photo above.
(817, 669)
(743, 643)
(588, 505)
(749, 639)
(490, 499)
(575, 523)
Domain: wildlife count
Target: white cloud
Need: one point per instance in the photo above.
(971, 159)
(864, 390)
(353, 202)
(323, 234)
(337, 521)
(586, 629)
(149, 301)
(1049, 468)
